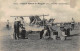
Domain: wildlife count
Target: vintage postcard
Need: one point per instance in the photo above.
(39, 25)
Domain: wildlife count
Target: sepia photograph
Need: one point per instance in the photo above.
(39, 25)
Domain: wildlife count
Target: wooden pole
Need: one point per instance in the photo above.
(43, 19)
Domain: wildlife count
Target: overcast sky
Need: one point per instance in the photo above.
(61, 13)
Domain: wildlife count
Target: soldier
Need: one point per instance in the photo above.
(67, 30)
(16, 28)
(63, 35)
(44, 32)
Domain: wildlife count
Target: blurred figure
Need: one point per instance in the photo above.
(72, 25)
(45, 32)
(52, 35)
(23, 33)
(63, 35)
(22, 22)
(8, 24)
(67, 30)
(16, 28)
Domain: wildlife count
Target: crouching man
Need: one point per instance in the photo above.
(54, 35)
(23, 33)
(44, 33)
(63, 35)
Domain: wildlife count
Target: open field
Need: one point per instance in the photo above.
(35, 44)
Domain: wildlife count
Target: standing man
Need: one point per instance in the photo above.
(16, 28)
(22, 22)
(72, 25)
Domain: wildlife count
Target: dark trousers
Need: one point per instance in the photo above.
(7, 26)
(41, 34)
(72, 26)
(67, 32)
(16, 29)
(16, 34)
(23, 33)
(47, 34)
(23, 36)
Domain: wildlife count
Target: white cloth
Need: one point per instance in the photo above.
(63, 34)
(53, 36)
(44, 34)
(62, 38)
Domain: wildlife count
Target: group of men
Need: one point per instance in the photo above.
(19, 28)
(50, 31)
(55, 32)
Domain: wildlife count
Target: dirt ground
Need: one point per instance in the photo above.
(33, 43)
